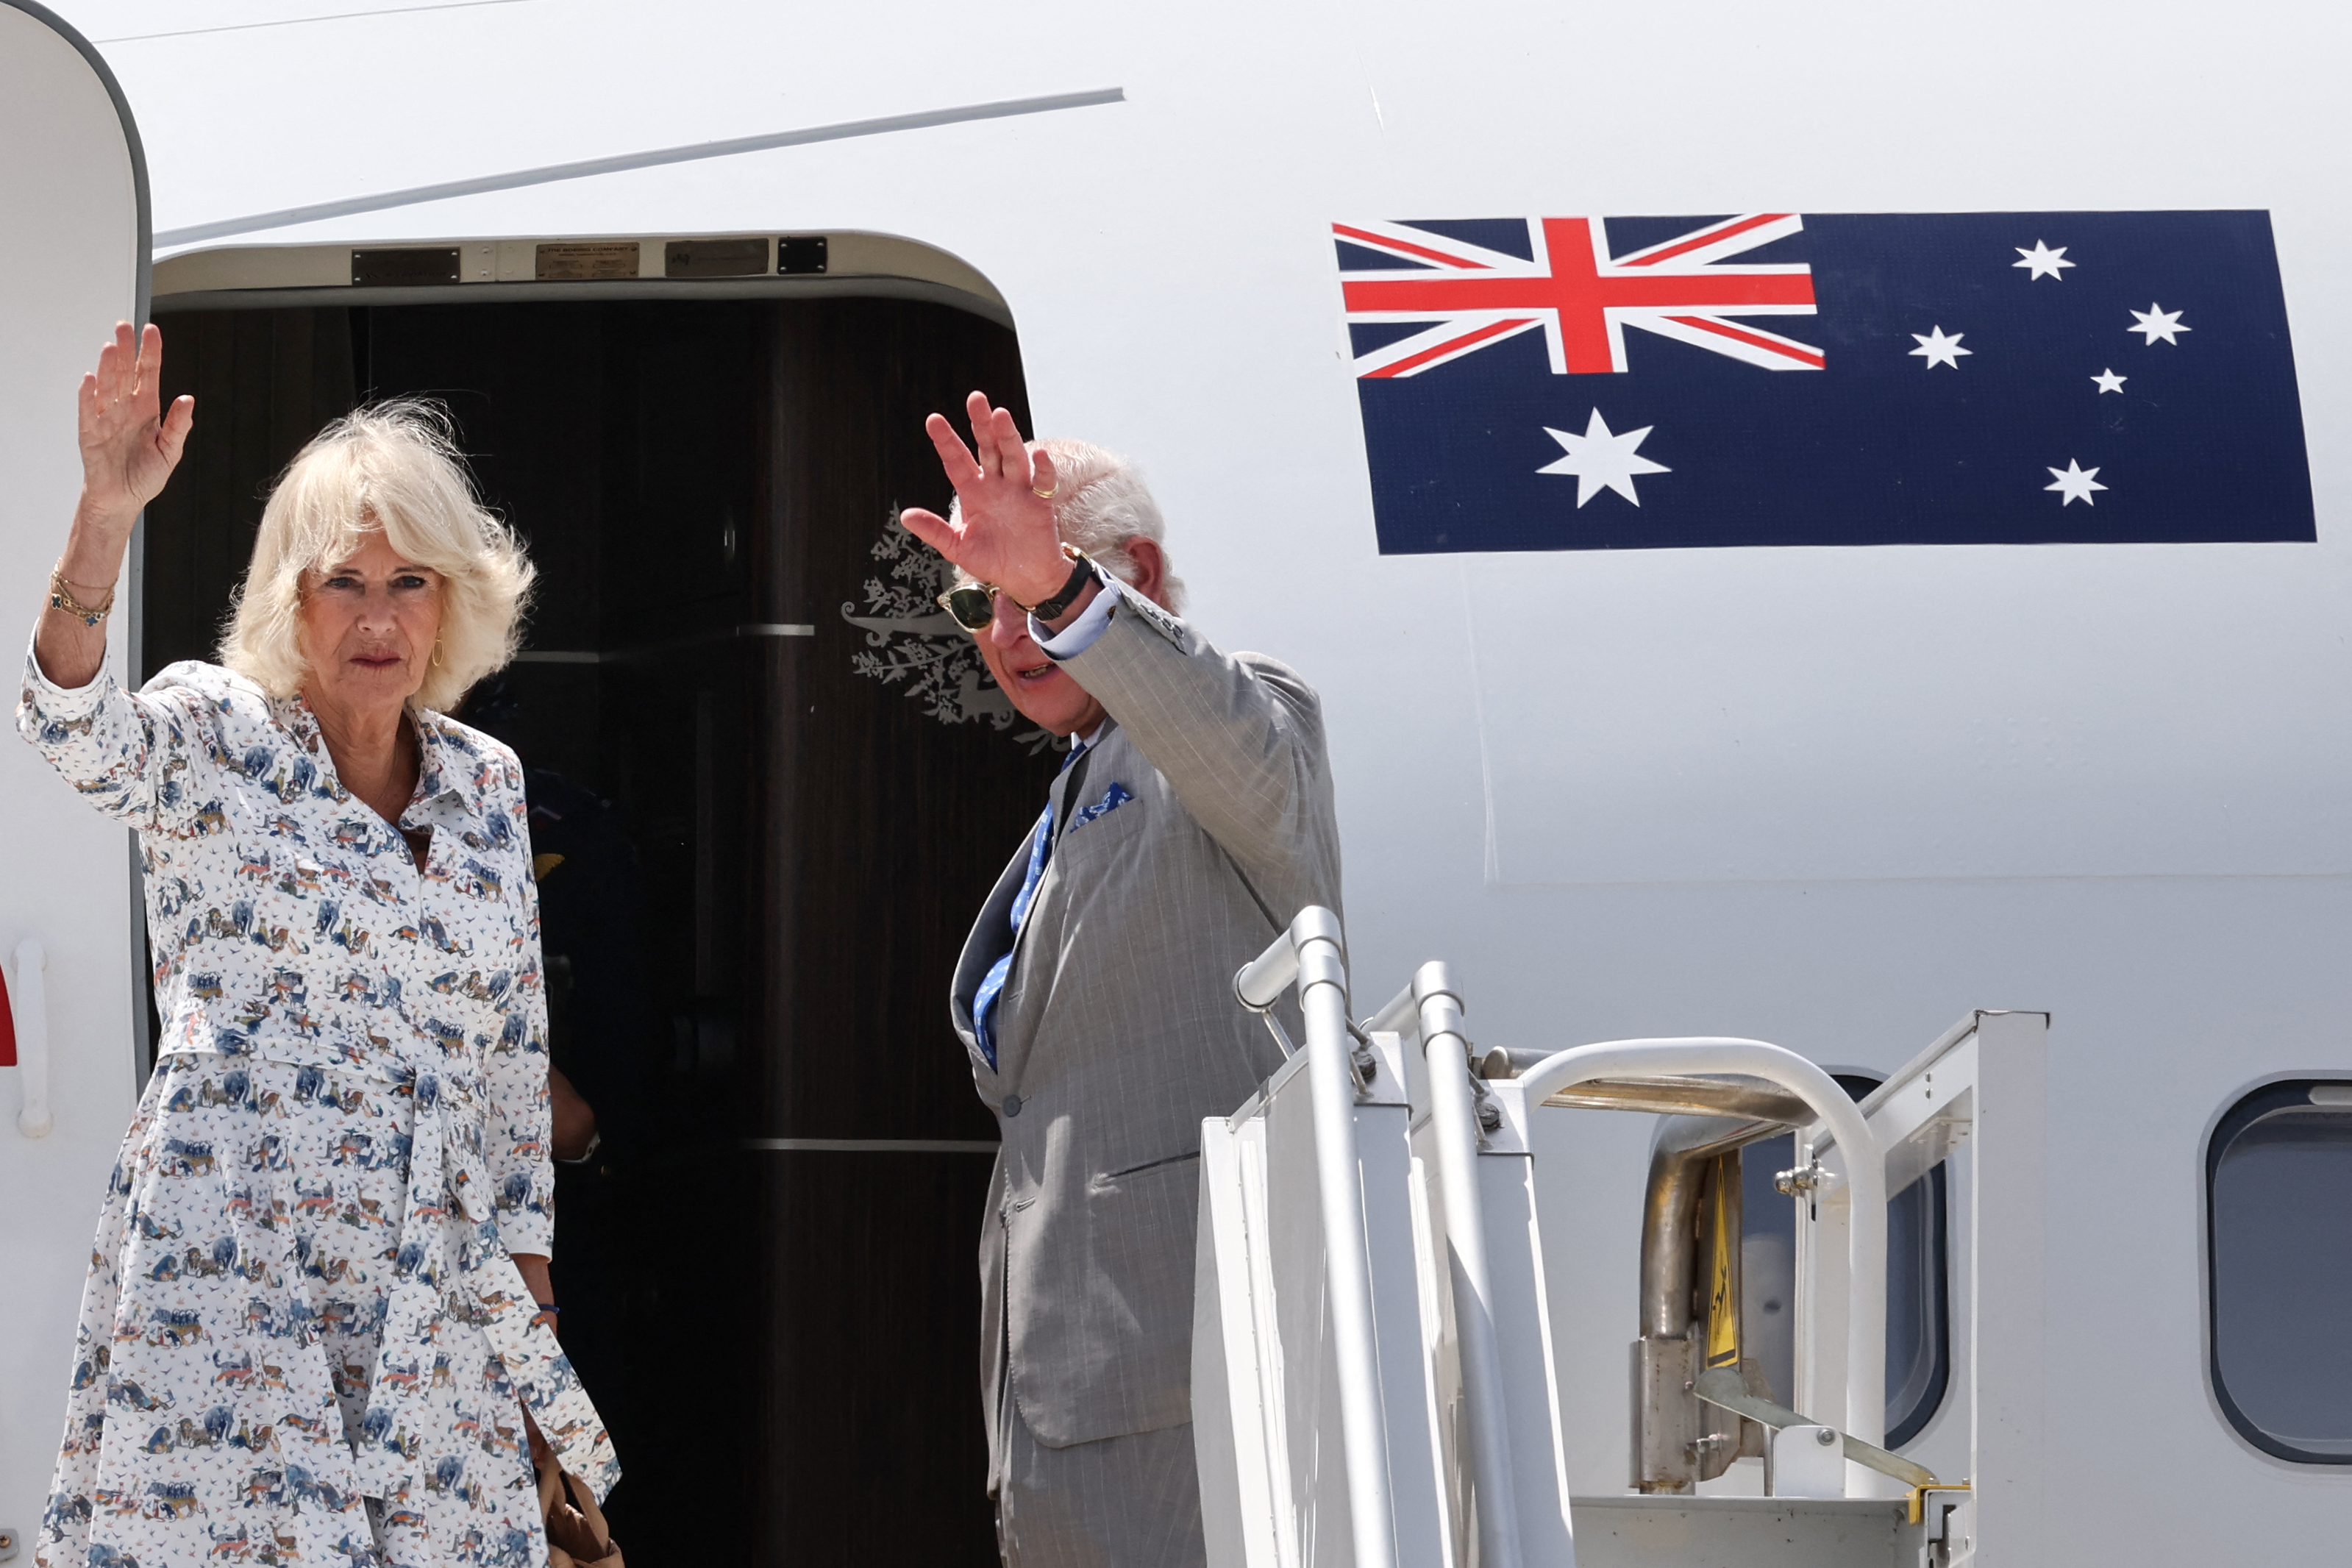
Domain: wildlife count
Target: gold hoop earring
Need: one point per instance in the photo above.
(436, 653)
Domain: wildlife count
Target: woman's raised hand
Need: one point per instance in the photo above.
(128, 447)
(128, 450)
(1003, 532)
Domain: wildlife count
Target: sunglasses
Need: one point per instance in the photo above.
(973, 604)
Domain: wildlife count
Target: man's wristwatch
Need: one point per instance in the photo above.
(1082, 572)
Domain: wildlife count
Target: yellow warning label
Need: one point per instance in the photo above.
(1723, 1262)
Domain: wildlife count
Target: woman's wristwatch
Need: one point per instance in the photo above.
(1082, 572)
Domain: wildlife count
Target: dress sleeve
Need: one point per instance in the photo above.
(522, 1119)
(130, 755)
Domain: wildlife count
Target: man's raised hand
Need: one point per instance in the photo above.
(1003, 531)
(129, 445)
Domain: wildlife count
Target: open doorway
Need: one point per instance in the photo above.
(769, 785)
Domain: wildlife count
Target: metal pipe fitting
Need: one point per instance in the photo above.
(1680, 1153)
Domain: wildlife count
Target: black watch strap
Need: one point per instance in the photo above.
(1082, 572)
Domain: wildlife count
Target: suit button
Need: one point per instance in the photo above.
(1012, 1105)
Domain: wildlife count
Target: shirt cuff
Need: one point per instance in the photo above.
(1079, 635)
(530, 1234)
(47, 699)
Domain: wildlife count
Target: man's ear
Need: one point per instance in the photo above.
(1150, 568)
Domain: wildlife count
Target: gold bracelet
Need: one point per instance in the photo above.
(61, 598)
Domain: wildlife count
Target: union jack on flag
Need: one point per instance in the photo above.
(1589, 382)
(1578, 295)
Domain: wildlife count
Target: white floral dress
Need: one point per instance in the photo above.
(304, 1338)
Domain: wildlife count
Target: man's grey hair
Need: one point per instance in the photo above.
(1099, 505)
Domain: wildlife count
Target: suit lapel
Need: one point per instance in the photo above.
(992, 933)
(1069, 790)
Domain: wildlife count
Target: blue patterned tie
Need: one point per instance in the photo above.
(992, 985)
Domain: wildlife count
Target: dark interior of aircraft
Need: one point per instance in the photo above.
(759, 850)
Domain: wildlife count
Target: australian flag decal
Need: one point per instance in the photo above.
(1776, 378)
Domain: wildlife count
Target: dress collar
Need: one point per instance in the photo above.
(444, 766)
(440, 771)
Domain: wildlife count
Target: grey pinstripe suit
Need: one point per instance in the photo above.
(1116, 1033)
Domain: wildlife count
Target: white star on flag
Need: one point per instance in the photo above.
(1600, 460)
(1940, 349)
(2076, 483)
(2044, 261)
(2109, 381)
(2157, 322)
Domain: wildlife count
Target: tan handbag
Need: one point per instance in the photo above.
(576, 1525)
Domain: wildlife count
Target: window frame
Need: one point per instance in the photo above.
(2249, 1105)
(1916, 1422)
(1922, 1415)
(1859, 1082)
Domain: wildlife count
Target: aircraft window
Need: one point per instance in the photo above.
(1918, 1296)
(1919, 1283)
(2279, 1269)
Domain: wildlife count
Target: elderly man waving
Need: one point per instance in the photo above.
(1192, 820)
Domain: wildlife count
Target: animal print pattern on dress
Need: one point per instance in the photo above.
(232, 1333)
(323, 982)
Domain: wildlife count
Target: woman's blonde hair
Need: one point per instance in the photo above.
(393, 466)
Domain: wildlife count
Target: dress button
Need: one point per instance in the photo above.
(1012, 1105)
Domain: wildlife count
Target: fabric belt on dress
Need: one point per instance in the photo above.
(452, 1267)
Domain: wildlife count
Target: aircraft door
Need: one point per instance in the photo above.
(770, 785)
(73, 207)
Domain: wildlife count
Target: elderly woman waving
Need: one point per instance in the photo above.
(318, 1318)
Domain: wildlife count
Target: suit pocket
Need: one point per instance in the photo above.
(1102, 837)
(1134, 1354)
(1112, 1178)
(1112, 799)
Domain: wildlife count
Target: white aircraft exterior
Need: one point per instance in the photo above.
(1827, 797)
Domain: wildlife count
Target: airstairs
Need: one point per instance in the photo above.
(1376, 1381)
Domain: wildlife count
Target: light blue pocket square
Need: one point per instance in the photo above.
(1113, 798)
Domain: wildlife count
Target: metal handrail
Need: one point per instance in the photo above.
(1454, 1115)
(1311, 955)
(1866, 1376)
(1727, 1095)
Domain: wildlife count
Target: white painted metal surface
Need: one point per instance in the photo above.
(2007, 1521)
(1309, 956)
(1744, 1532)
(1983, 1084)
(1806, 1462)
(1270, 1382)
(69, 270)
(28, 1004)
(1265, 1361)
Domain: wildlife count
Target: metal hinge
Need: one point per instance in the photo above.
(1361, 1062)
